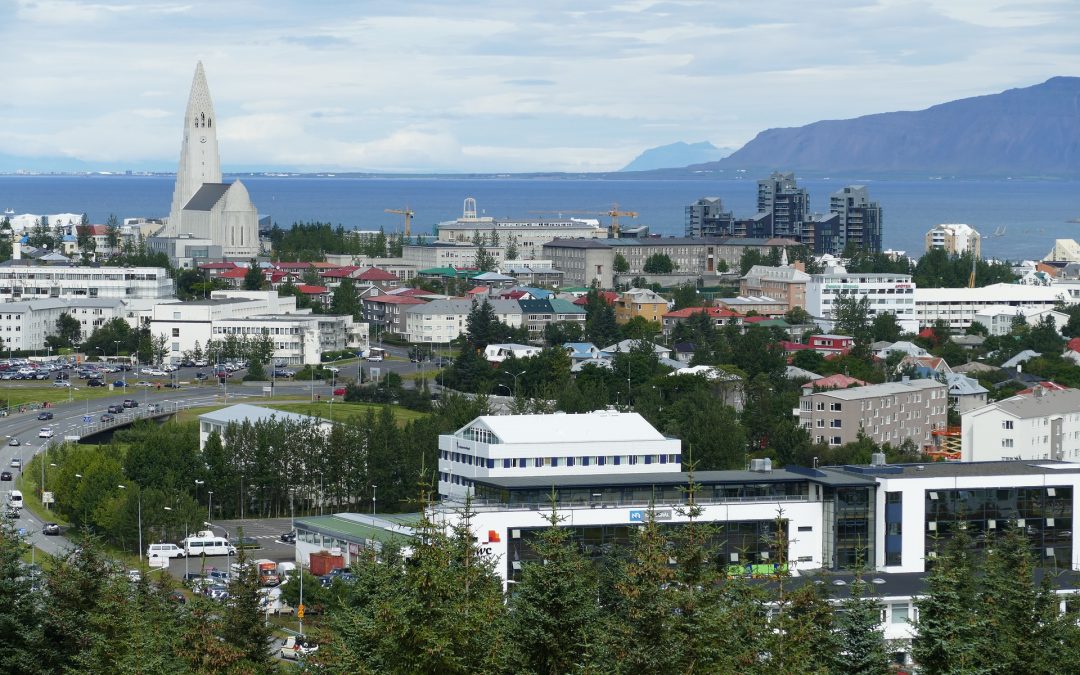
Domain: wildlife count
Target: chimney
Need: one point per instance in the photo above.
(799, 265)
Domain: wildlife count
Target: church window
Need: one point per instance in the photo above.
(203, 116)
(209, 122)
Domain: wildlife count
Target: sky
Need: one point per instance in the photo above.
(479, 86)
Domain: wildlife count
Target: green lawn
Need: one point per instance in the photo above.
(342, 411)
(17, 393)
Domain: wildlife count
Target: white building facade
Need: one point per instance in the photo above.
(439, 321)
(601, 442)
(887, 293)
(25, 325)
(1041, 425)
(298, 339)
(34, 282)
(957, 307)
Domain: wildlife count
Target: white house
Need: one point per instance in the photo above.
(218, 420)
(497, 353)
(1041, 425)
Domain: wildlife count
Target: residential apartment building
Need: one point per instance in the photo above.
(439, 321)
(386, 313)
(999, 320)
(886, 413)
(788, 204)
(954, 239)
(439, 254)
(887, 293)
(545, 446)
(537, 314)
(640, 302)
(1044, 424)
(719, 316)
(707, 218)
(25, 325)
(784, 284)
(861, 220)
(957, 307)
(298, 339)
(22, 280)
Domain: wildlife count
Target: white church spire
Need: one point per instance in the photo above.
(199, 159)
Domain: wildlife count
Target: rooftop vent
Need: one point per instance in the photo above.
(877, 459)
(761, 465)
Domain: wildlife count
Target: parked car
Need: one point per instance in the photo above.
(201, 376)
(61, 383)
(95, 382)
(119, 383)
(130, 403)
(288, 537)
(144, 383)
(115, 408)
(108, 417)
(5, 475)
(45, 415)
(51, 529)
(283, 373)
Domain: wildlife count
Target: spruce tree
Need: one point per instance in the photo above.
(19, 609)
(863, 650)
(554, 616)
(244, 618)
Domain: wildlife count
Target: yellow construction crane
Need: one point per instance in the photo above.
(971, 279)
(408, 213)
(615, 214)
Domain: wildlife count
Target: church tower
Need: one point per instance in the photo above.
(199, 160)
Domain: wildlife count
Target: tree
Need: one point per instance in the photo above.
(512, 248)
(884, 327)
(658, 263)
(853, 318)
(686, 295)
(797, 316)
(863, 649)
(112, 234)
(485, 261)
(68, 332)
(554, 615)
(600, 326)
(254, 278)
(85, 238)
(620, 266)
(247, 630)
(345, 300)
(20, 613)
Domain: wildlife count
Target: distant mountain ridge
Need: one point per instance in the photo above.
(676, 155)
(1032, 131)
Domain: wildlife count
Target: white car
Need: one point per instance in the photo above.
(294, 647)
(332, 369)
(61, 383)
(45, 432)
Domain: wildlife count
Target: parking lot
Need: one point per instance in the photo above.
(264, 531)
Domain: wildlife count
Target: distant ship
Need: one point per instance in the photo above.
(1073, 220)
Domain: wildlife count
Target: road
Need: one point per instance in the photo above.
(68, 419)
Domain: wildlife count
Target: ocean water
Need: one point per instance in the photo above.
(1032, 214)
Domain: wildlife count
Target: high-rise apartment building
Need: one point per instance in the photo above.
(786, 201)
(954, 239)
(707, 218)
(860, 219)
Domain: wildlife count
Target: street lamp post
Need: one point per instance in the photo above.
(515, 382)
(124, 487)
(197, 484)
(374, 487)
(210, 507)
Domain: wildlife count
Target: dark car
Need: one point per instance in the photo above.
(5, 475)
(115, 408)
(95, 382)
(119, 383)
(288, 537)
(130, 403)
(44, 415)
(283, 373)
(51, 529)
(201, 376)
(108, 417)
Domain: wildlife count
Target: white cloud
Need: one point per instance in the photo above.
(486, 85)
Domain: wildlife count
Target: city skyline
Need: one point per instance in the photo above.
(490, 88)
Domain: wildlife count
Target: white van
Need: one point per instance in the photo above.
(200, 546)
(15, 499)
(164, 551)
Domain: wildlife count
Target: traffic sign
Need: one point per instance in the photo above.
(300, 611)
(87, 419)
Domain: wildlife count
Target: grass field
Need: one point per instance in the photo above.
(341, 411)
(14, 394)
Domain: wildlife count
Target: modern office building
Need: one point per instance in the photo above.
(892, 412)
(861, 220)
(958, 307)
(954, 239)
(21, 280)
(887, 293)
(707, 218)
(788, 204)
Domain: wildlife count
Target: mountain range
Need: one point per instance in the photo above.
(676, 155)
(1031, 131)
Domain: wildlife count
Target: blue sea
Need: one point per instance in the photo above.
(1030, 213)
